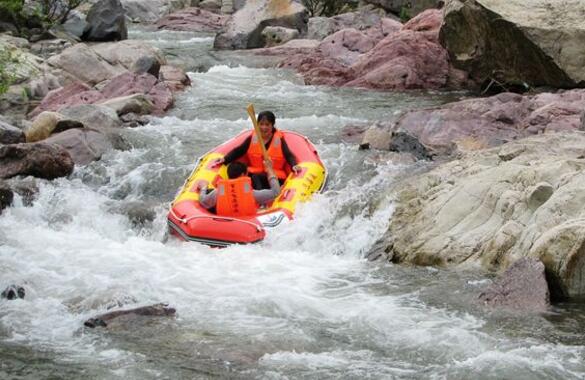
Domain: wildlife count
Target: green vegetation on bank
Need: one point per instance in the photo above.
(328, 8)
(41, 14)
(6, 77)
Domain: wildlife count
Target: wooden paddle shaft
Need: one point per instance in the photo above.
(252, 114)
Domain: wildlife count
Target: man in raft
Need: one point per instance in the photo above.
(234, 196)
(276, 147)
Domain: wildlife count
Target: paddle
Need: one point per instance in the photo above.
(252, 114)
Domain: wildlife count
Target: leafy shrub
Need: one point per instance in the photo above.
(6, 77)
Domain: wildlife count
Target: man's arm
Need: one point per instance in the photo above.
(207, 200)
(288, 155)
(267, 195)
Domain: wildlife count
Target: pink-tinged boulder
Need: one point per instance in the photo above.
(522, 287)
(38, 160)
(411, 58)
(127, 84)
(174, 77)
(71, 94)
(194, 20)
(383, 29)
(347, 45)
(487, 122)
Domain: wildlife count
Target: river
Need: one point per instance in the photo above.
(302, 304)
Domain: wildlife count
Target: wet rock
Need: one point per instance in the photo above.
(277, 35)
(157, 310)
(133, 120)
(83, 145)
(13, 292)
(376, 138)
(244, 28)
(27, 188)
(147, 65)
(175, 77)
(522, 287)
(515, 40)
(106, 22)
(403, 142)
(94, 116)
(6, 196)
(38, 160)
(193, 19)
(136, 104)
(353, 133)
(10, 134)
(139, 213)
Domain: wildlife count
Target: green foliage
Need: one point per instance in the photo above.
(42, 14)
(6, 77)
(327, 8)
(404, 14)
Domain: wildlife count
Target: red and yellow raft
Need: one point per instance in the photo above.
(188, 220)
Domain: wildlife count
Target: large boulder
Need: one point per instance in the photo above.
(193, 19)
(488, 122)
(537, 42)
(106, 22)
(38, 160)
(320, 27)
(150, 11)
(244, 29)
(71, 94)
(494, 206)
(77, 60)
(129, 53)
(98, 117)
(83, 145)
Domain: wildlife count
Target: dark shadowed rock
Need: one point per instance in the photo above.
(157, 310)
(147, 64)
(522, 287)
(403, 142)
(10, 134)
(13, 292)
(6, 196)
(106, 22)
(39, 160)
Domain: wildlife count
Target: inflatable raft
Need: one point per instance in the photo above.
(188, 220)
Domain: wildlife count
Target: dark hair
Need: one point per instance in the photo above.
(236, 169)
(268, 116)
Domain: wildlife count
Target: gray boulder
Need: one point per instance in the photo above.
(516, 42)
(522, 287)
(93, 116)
(10, 134)
(277, 35)
(480, 210)
(244, 29)
(38, 160)
(106, 22)
(83, 145)
(6, 196)
(13, 292)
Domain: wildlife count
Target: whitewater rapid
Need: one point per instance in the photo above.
(304, 303)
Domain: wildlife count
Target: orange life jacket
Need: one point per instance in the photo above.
(274, 152)
(235, 197)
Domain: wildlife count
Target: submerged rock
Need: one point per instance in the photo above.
(522, 287)
(13, 292)
(6, 196)
(157, 310)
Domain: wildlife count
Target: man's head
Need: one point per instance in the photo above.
(236, 169)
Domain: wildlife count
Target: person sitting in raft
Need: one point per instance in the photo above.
(234, 196)
(276, 148)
